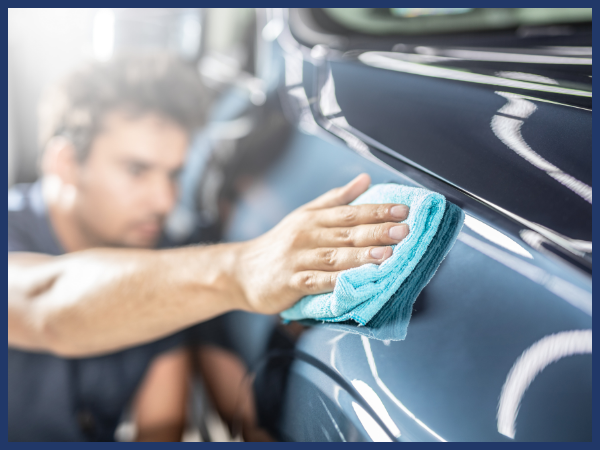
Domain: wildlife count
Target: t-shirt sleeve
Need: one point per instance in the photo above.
(17, 241)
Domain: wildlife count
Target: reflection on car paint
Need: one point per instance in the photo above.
(568, 50)
(495, 236)
(390, 61)
(375, 432)
(339, 125)
(480, 55)
(375, 402)
(335, 425)
(535, 240)
(333, 342)
(533, 360)
(576, 296)
(508, 130)
(386, 390)
(316, 160)
(527, 77)
(360, 142)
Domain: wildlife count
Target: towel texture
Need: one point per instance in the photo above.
(381, 296)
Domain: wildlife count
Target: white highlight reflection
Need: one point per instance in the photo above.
(517, 105)
(387, 60)
(527, 77)
(478, 55)
(564, 50)
(293, 71)
(385, 389)
(495, 236)
(375, 402)
(328, 102)
(535, 240)
(272, 29)
(330, 107)
(375, 432)
(533, 360)
(335, 425)
(508, 130)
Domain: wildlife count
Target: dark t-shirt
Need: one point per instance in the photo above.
(58, 399)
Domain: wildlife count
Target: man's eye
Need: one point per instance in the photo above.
(175, 176)
(135, 169)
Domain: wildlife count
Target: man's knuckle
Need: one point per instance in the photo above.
(307, 282)
(345, 236)
(348, 215)
(381, 212)
(328, 257)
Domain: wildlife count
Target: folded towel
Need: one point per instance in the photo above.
(379, 295)
(391, 322)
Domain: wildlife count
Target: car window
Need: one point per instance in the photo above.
(381, 21)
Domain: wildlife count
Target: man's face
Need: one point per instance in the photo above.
(128, 183)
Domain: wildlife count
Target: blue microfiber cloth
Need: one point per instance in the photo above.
(381, 296)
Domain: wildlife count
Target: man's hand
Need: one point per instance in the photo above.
(306, 251)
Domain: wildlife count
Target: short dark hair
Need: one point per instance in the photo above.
(76, 106)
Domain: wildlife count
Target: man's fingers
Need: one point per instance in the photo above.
(314, 282)
(341, 195)
(360, 236)
(336, 259)
(352, 215)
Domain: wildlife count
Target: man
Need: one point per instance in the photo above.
(95, 312)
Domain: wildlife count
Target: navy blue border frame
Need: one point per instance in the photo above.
(595, 164)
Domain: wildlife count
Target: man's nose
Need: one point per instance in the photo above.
(163, 196)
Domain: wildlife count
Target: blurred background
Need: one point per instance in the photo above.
(45, 44)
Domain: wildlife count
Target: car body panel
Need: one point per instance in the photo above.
(513, 294)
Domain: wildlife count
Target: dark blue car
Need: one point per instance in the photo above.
(491, 108)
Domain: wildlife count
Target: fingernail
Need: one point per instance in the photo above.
(399, 232)
(399, 211)
(377, 252)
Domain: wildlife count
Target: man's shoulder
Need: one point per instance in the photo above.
(18, 198)
(28, 225)
(19, 217)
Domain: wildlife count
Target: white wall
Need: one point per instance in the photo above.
(11, 131)
(44, 44)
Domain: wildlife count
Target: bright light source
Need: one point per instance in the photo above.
(104, 34)
(272, 29)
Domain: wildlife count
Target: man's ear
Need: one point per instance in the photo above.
(60, 159)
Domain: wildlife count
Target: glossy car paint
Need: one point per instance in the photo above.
(499, 346)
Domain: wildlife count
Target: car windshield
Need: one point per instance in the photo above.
(381, 21)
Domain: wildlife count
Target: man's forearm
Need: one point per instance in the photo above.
(103, 300)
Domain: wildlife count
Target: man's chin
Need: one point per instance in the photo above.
(142, 241)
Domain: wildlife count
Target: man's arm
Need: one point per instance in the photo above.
(96, 301)
(102, 300)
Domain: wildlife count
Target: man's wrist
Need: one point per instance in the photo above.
(232, 258)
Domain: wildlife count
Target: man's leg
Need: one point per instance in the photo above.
(160, 405)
